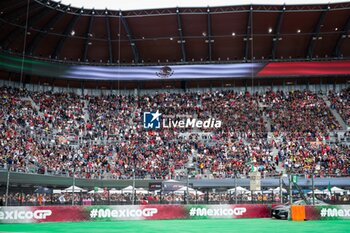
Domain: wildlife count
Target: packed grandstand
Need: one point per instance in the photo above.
(102, 137)
(291, 130)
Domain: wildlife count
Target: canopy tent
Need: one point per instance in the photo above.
(56, 191)
(157, 191)
(142, 191)
(190, 190)
(275, 191)
(317, 192)
(169, 186)
(97, 190)
(240, 190)
(76, 189)
(129, 189)
(171, 181)
(336, 190)
(115, 191)
(43, 190)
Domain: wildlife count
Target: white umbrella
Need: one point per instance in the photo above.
(190, 190)
(240, 190)
(76, 189)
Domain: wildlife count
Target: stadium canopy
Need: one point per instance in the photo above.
(40, 34)
(153, 4)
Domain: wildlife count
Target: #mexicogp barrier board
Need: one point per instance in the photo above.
(129, 212)
(329, 212)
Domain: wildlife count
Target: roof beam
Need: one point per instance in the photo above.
(277, 37)
(248, 37)
(4, 3)
(110, 52)
(5, 6)
(65, 35)
(130, 38)
(87, 39)
(209, 39)
(315, 34)
(44, 31)
(340, 41)
(31, 21)
(181, 41)
(14, 12)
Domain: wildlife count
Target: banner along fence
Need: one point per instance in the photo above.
(129, 212)
(32, 214)
(330, 212)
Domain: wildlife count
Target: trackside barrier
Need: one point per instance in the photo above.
(131, 212)
(298, 213)
(326, 212)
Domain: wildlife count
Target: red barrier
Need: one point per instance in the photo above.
(131, 212)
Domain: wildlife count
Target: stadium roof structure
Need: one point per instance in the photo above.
(176, 35)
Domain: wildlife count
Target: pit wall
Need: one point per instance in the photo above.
(129, 212)
(329, 212)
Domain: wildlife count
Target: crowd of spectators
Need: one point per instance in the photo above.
(299, 115)
(103, 136)
(341, 102)
(106, 198)
(63, 111)
(311, 158)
